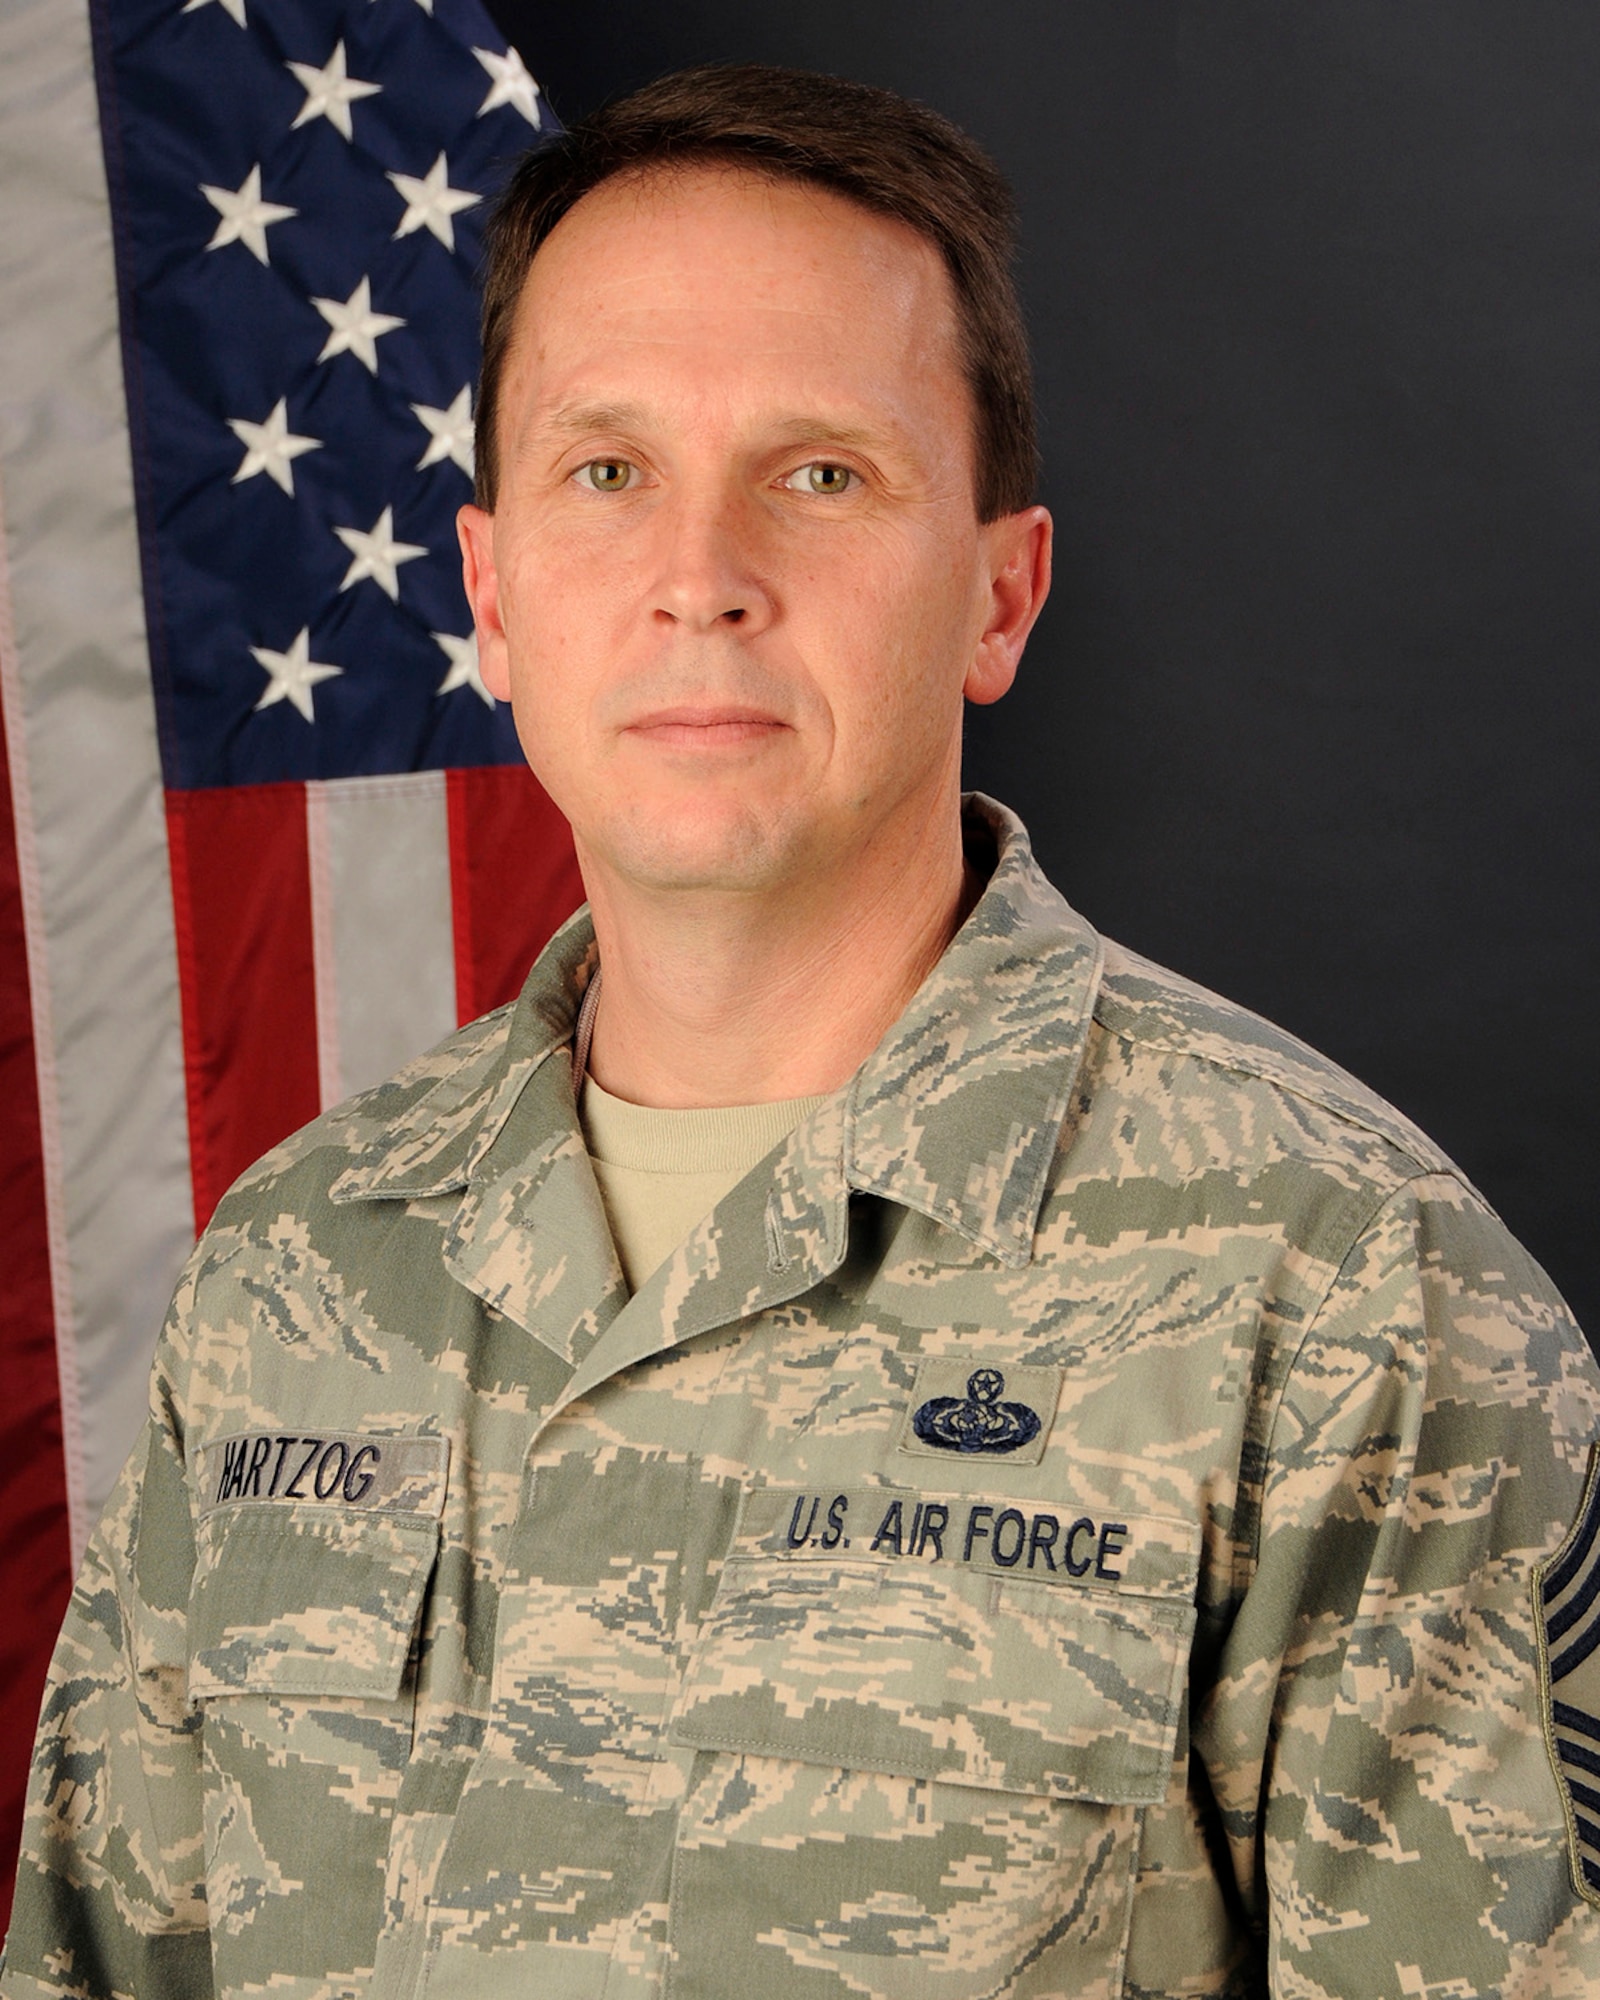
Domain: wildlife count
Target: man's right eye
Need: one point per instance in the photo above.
(605, 475)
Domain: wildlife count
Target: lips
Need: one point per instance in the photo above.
(691, 726)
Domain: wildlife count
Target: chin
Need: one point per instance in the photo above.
(701, 847)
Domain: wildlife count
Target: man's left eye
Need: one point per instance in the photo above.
(821, 476)
(605, 475)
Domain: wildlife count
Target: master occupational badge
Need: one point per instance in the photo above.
(983, 1410)
(1565, 1590)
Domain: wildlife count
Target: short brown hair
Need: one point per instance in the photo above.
(871, 146)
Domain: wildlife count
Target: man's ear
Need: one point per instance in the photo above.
(476, 531)
(1018, 547)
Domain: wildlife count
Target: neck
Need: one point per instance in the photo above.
(721, 997)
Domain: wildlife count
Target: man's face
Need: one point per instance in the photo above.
(735, 585)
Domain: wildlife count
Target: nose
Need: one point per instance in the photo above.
(711, 570)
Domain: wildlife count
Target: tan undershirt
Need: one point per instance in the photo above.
(661, 1171)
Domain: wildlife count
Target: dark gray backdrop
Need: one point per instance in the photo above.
(1313, 713)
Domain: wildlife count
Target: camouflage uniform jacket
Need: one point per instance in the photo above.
(1068, 1523)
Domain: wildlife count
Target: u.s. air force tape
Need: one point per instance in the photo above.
(1081, 1545)
(373, 1471)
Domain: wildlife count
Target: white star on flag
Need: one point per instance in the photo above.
(270, 447)
(330, 93)
(449, 431)
(356, 327)
(463, 657)
(246, 218)
(430, 203)
(233, 7)
(377, 554)
(511, 85)
(291, 676)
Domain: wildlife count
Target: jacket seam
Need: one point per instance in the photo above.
(1313, 1322)
(1429, 1161)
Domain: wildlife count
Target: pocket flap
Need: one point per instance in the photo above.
(935, 1670)
(306, 1600)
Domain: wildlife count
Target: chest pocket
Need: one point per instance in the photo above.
(921, 1778)
(302, 1625)
(306, 1600)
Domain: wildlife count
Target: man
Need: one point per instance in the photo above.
(883, 1446)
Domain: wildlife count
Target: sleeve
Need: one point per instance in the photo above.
(110, 1888)
(1377, 1736)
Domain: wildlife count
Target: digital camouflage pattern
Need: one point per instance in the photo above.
(743, 1637)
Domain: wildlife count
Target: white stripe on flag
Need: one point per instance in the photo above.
(99, 909)
(380, 924)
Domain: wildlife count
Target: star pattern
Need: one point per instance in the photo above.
(234, 8)
(246, 218)
(330, 92)
(510, 84)
(377, 554)
(323, 353)
(354, 327)
(463, 657)
(450, 433)
(292, 675)
(431, 203)
(271, 447)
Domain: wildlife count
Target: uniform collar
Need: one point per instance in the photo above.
(435, 1143)
(958, 1110)
(955, 1114)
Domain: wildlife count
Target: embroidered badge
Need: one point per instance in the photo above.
(1567, 1613)
(974, 1409)
(977, 1421)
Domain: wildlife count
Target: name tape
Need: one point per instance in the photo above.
(374, 1472)
(1063, 1544)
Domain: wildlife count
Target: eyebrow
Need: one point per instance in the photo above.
(824, 431)
(584, 419)
(578, 418)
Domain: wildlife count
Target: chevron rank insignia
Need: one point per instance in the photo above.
(1566, 1602)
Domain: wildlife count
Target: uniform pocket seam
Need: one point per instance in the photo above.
(234, 1651)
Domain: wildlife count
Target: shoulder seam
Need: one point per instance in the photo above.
(1432, 1161)
(1314, 1320)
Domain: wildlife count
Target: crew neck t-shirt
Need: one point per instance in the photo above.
(661, 1171)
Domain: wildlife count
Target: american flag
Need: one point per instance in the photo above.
(268, 835)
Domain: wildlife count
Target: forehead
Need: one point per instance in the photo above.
(715, 254)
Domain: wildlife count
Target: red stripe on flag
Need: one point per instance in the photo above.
(241, 893)
(35, 1559)
(513, 880)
